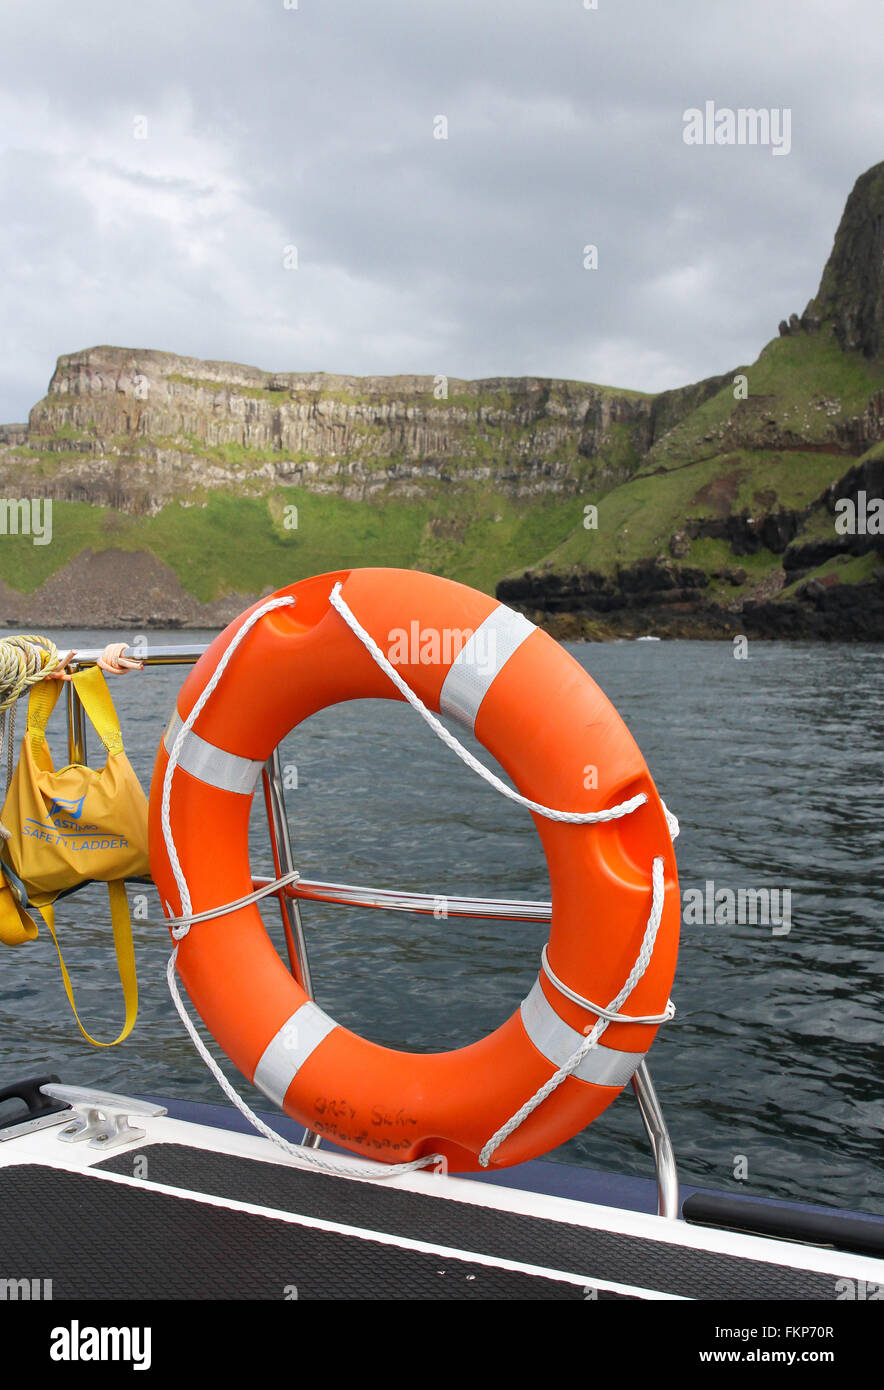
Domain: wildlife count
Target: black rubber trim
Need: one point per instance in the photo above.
(594, 1254)
(36, 1105)
(96, 1239)
(833, 1231)
(142, 880)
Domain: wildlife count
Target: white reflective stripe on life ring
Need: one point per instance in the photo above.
(479, 662)
(289, 1049)
(212, 765)
(558, 1041)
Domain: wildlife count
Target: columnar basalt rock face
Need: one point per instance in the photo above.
(161, 417)
(136, 429)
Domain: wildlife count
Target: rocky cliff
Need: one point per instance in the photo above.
(851, 292)
(731, 521)
(143, 428)
(181, 487)
(138, 429)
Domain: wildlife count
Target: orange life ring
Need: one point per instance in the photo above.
(547, 723)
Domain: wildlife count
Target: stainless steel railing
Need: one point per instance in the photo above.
(385, 899)
(429, 904)
(151, 656)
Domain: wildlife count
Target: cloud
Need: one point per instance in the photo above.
(266, 128)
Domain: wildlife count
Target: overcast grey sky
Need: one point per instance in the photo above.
(269, 127)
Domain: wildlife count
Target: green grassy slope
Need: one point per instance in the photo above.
(776, 449)
(801, 386)
(777, 445)
(243, 545)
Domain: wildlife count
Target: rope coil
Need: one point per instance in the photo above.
(23, 662)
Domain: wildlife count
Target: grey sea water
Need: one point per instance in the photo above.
(774, 1065)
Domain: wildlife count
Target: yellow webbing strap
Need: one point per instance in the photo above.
(95, 697)
(16, 925)
(122, 927)
(41, 703)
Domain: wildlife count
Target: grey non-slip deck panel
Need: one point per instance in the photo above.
(104, 1240)
(603, 1255)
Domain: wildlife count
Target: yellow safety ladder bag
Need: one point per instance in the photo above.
(73, 826)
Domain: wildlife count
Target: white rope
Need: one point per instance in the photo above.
(625, 808)
(305, 1156)
(605, 1015)
(187, 725)
(308, 1157)
(591, 1041)
(671, 821)
(612, 1016)
(180, 926)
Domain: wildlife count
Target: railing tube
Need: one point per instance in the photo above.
(661, 1144)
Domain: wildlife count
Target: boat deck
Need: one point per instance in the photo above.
(198, 1212)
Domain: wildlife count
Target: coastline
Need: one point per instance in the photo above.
(122, 590)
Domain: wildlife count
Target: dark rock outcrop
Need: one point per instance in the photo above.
(851, 292)
(828, 612)
(646, 584)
